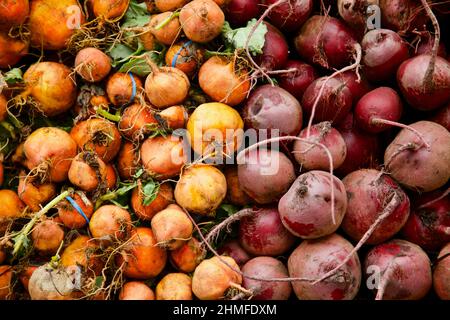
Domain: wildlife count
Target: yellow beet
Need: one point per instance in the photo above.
(174, 286)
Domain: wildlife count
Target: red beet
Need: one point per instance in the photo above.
(354, 13)
(402, 16)
(266, 268)
(275, 50)
(362, 148)
(290, 15)
(263, 233)
(325, 41)
(429, 226)
(422, 92)
(334, 104)
(296, 82)
(441, 274)
(382, 103)
(241, 11)
(369, 192)
(384, 51)
(442, 117)
(426, 46)
(358, 87)
(234, 250)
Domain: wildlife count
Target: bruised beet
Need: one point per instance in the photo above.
(369, 192)
(273, 171)
(275, 50)
(381, 103)
(271, 107)
(414, 165)
(422, 92)
(297, 81)
(429, 226)
(358, 86)
(266, 268)
(442, 117)
(312, 259)
(290, 15)
(362, 148)
(325, 41)
(334, 103)
(402, 268)
(241, 11)
(384, 51)
(234, 250)
(305, 209)
(262, 233)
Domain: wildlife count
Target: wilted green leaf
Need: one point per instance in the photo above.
(238, 37)
(136, 15)
(13, 76)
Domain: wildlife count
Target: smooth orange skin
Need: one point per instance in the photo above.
(3, 107)
(35, 195)
(212, 278)
(127, 161)
(205, 27)
(174, 286)
(92, 64)
(2, 256)
(169, 5)
(25, 276)
(163, 157)
(188, 59)
(83, 176)
(80, 252)
(53, 145)
(119, 88)
(69, 215)
(11, 50)
(218, 79)
(171, 226)
(175, 117)
(136, 290)
(142, 258)
(51, 86)
(169, 33)
(85, 132)
(13, 13)
(235, 194)
(110, 222)
(111, 177)
(162, 200)
(136, 119)
(12, 208)
(188, 256)
(47, 237)
(48, 23)
(5, 282)
(148, 40)
(167, 87)
(109, 10)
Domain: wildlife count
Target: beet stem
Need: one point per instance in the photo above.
(385, 279)
(429, 203)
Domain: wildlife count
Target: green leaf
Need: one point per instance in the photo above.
(13, 76)
(225, 210)
(238, 37)
(138, 66)
(136, 15)
(98, 282)
(120, 53)
(150, 190)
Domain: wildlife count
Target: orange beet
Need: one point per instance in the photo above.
(188, 256)
(70, 216)
(11, 50)
(110, 223)
(136, 290)
(47, 237)
(162, 200)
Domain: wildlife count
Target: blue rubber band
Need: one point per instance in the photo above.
(175, 57)
(133, 92)
(78, 208)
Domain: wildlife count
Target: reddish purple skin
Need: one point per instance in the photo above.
(441, 274)
(273, 171)
(442, 117)
(273, 108)
(420, 94)
(367, 198)
(305, 209)
(411, 279)
(381, 103)
(334, 104)
(363, 149)
(291, 15)
(241, 11)
(384, 51)
(426, 45)
(325, 41)
(402, 16)
(429, 227)
(263, 234)
(234, 250)
(297, 82)
(358, 88)
(275, 50)
(268, 268)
